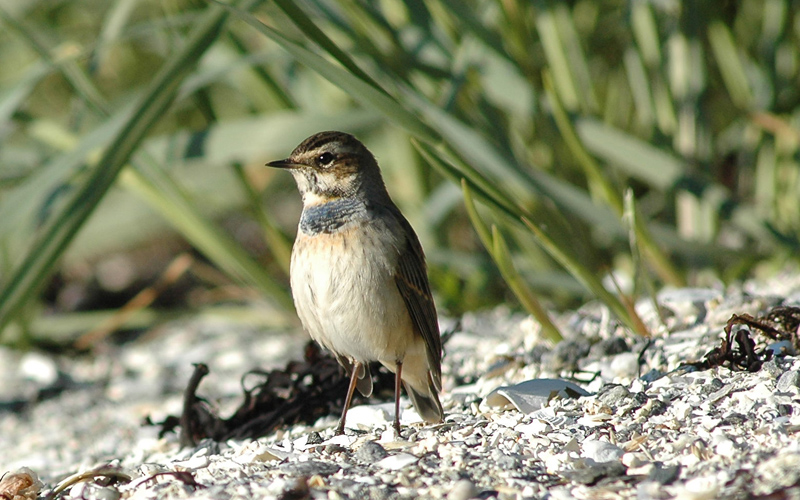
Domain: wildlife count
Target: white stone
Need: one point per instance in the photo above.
(601, 451)
(699, 488)
(398, 461)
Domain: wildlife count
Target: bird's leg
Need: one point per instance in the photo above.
(349, 398)
(397, 383)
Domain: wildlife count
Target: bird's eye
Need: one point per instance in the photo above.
(324, 159)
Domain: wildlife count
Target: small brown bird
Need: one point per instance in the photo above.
(358, 273)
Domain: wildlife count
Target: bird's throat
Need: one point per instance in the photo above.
(332, 216)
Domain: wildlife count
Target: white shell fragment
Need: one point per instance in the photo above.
(533, 395)
(395, 462)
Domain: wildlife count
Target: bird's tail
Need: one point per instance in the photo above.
(427, 404)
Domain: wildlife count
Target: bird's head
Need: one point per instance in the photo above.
(332, 165)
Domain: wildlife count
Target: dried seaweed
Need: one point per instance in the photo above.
(738, 348)
(302, 392)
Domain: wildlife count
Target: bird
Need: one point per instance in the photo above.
(358, 274)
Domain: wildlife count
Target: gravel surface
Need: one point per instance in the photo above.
(646, 417)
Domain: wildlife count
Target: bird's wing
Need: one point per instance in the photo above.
(412, 282)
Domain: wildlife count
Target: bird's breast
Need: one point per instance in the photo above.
(343, 283)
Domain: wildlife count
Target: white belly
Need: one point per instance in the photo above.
(346, 296)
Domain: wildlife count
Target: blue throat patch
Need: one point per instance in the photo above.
(330, 216)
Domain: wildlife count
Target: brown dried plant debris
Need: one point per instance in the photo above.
(302, 392)
(738, 349)
(23, 484)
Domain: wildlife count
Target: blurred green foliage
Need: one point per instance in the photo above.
(653, 139)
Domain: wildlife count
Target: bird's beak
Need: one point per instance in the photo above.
(286, 163)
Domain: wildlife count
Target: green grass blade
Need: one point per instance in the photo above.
(32, 272)
(598, 184)
(597, 181)
(11, 99)
(510, 181)
(557, 61)
(587, 277)
(474, 27)
(445, 163)
(635, 157)
(497, 248)
(730, 65)
(645, 30)
(477, 222)
(357, 88)
(278, 243)
(24, 206)
(502, 256)
(69, 68)
(578, 66)
(631, 218)
(640, 90)
(151, 183)
(275, 89)
(310, 29)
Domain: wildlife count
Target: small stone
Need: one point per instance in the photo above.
(107, 493)
(655, 407)
(396, 462)
(591, 473)
(726, 448)
(772, 368)
(633, 460)
(625, 365)
(699, 488)
(642, 471)
(335, 448)
(640, 398)
(664, 474)
(314, 438)
(652, 375)
(310, 468)
(371, 452)
(788, 382)
(298, 489)
(39, 367)
(712, 385)
(734, 419)
(566, 355)
(535, 354)
(609, 347)
(613, 395)
(508, 462)
(601, 451)
(464, 489)
(195, 462)
(463, 399)
(207, 447)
